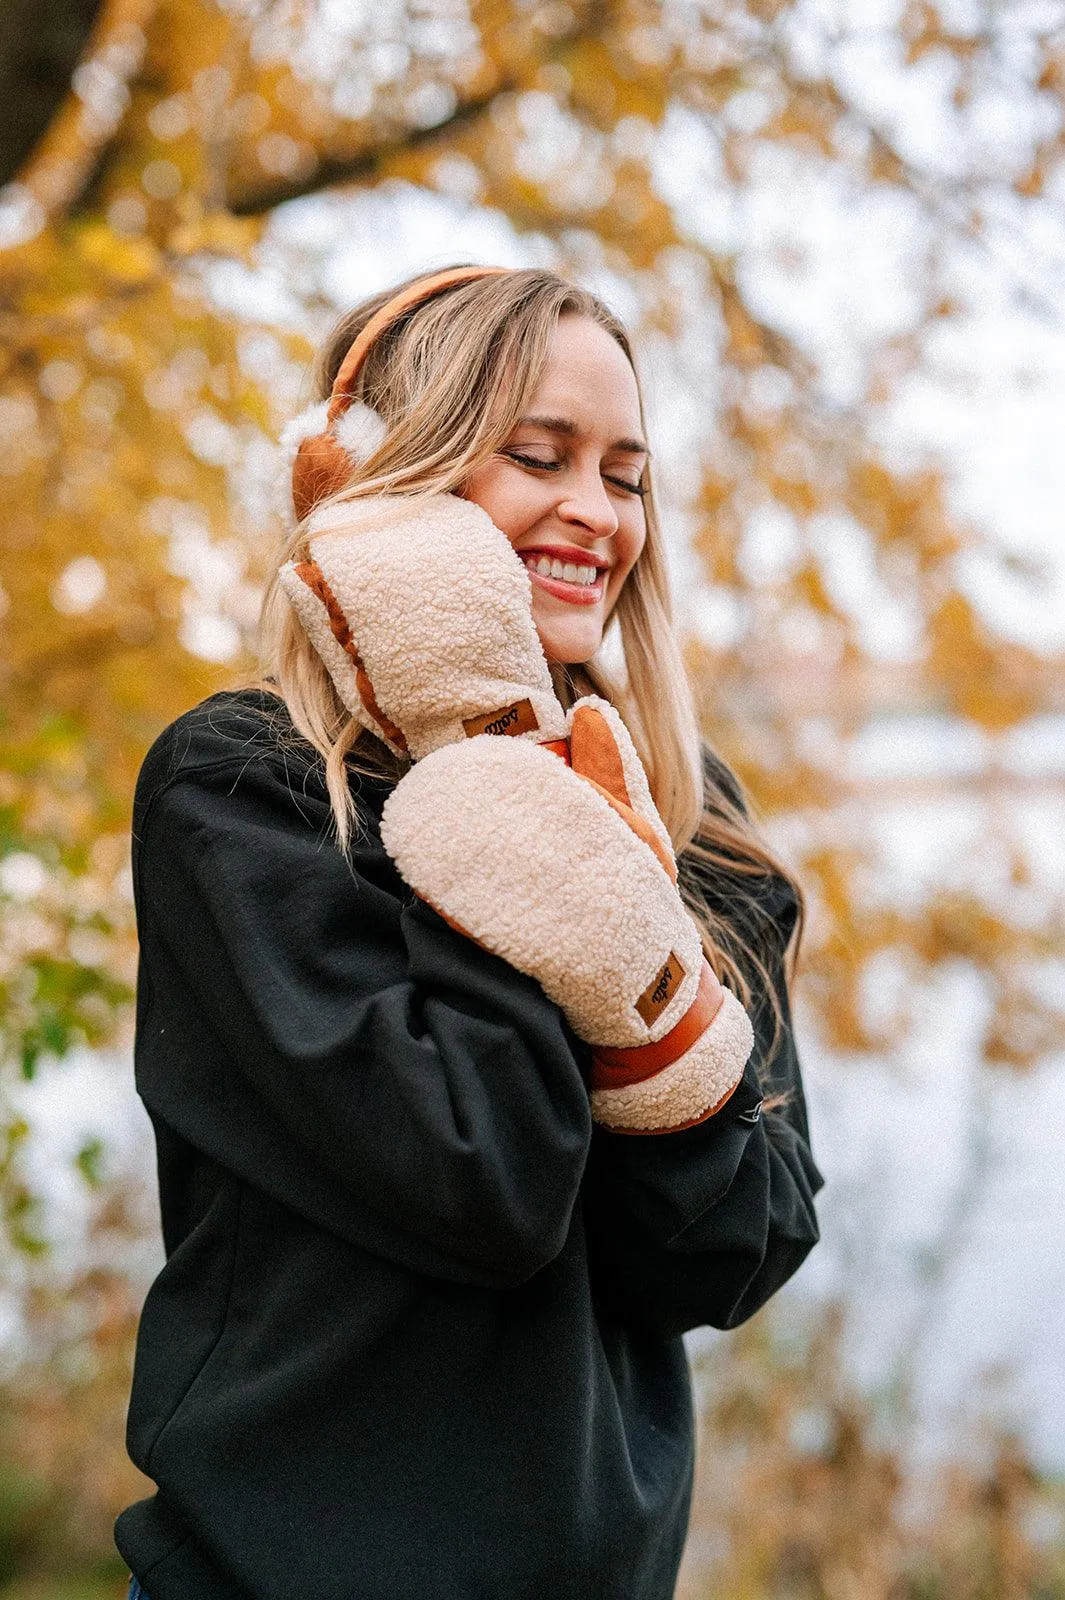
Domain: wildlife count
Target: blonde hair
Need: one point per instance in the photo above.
(450, 377)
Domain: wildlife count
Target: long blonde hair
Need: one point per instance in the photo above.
(450, 378)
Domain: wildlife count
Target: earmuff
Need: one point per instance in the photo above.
(333, 437)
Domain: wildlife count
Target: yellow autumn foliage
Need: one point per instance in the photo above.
(135, 520)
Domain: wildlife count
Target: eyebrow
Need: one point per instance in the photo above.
(564, 425)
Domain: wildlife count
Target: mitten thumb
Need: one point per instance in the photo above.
(601, 752)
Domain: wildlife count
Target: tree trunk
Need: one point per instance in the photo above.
(39, 48)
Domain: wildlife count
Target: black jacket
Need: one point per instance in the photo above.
(418, 1330)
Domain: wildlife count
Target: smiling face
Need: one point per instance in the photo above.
(564, 487)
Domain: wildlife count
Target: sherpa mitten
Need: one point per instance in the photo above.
(601, 753)
(541, 865)
(422, 612)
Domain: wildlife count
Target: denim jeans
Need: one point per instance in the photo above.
(135, 1591)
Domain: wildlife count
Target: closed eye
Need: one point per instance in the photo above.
(554, 466)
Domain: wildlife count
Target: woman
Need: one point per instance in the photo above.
(437, 1203)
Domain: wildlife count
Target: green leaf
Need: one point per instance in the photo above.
(89, 1162)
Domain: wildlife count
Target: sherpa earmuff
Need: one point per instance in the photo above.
(335, 435)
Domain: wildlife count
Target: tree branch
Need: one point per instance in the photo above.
(592, 19)
(62, 164)
(356, 169)
(39, 48)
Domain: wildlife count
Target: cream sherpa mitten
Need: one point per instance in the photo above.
(541, 865)
(422, 612)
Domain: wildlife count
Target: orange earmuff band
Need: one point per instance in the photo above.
(412, 295)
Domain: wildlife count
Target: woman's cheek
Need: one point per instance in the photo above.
(628, 564)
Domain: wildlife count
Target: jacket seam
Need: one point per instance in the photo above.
(205, 766)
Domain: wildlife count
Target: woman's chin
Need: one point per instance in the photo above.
(566, 646)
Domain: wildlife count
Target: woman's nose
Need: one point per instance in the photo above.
(589, 504)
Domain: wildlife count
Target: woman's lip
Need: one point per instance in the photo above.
(565, 552)
(577, 594)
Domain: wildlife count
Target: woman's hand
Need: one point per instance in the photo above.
(422, 612)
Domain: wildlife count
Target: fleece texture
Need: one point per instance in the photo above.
(361, 430)
(439, 609)
(515, 849)
(508, 842)
(314, 420)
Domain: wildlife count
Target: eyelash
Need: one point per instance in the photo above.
(553, 466)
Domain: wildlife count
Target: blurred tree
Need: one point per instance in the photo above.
(803, 1498)
(623, 137)
(38, 53)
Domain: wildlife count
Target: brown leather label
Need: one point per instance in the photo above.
(518, 718)
(661, 989)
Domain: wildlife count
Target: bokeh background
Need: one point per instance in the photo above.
(837, 230)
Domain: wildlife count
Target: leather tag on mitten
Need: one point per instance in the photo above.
(517, 718)
(661, 989)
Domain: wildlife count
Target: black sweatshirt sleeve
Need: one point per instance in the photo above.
(701, 1227)
(337, 1044)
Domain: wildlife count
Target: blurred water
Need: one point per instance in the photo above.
(943, 1218)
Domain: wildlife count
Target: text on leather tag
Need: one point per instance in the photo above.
(661, 989)
(518, 718)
